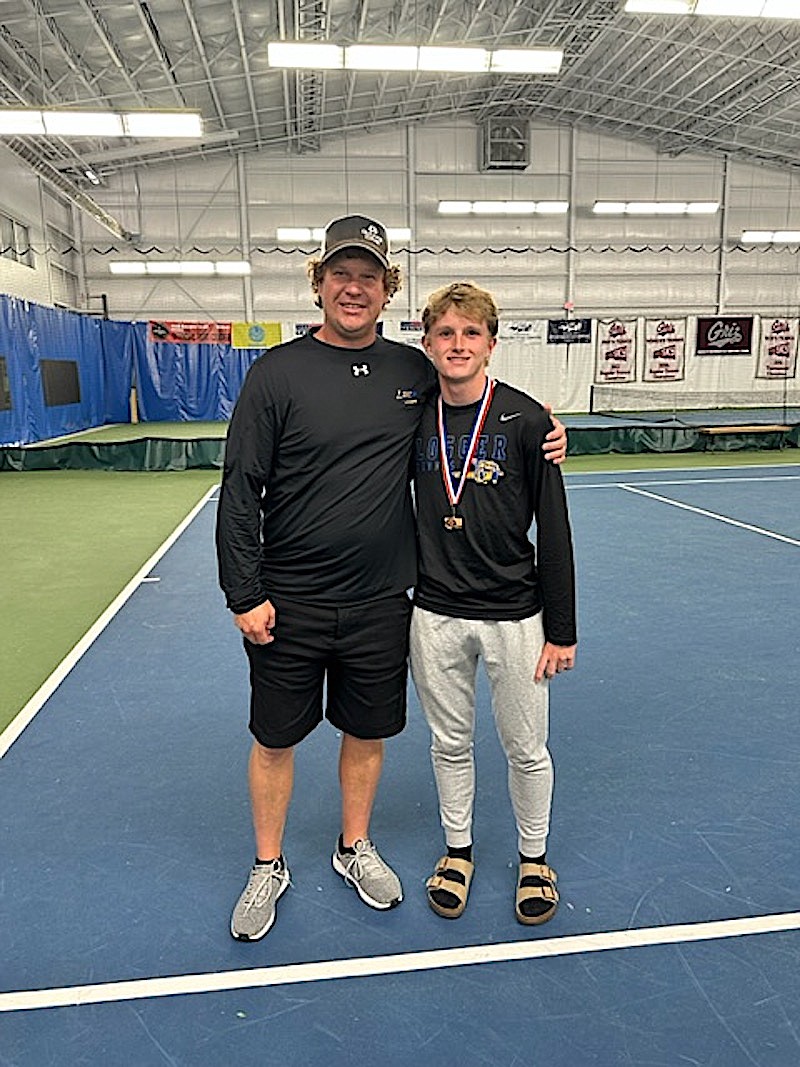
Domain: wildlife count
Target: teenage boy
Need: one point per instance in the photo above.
(484, 592)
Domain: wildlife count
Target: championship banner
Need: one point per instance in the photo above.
(522, 330)
(192, 333)
(255, 334)
(777, 356)
(615, 359)
(569, 331)
(725, 335)
(664, 350)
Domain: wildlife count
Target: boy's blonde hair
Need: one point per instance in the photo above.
(467, 299)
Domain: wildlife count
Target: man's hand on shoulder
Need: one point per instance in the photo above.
(555, 443)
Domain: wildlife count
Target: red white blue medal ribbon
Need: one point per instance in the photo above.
(455, 490)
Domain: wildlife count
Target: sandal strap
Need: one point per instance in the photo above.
(542, 884)
(439, 879)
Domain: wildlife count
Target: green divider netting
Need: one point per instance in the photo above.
(165, 454)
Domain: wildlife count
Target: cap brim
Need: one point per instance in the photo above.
(363, 246)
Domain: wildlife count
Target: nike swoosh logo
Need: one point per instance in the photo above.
(507, 418)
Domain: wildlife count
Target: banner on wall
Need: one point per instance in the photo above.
(522, 330)
(615, 359)
(569, 331)
(777, 356)
(302, 328)
(664, 350)
(725, 335)
(255, 334)
(194, 333)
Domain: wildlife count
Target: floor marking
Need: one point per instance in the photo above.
(400, 963)
(711, 515)
(683, 481)
(49, 686)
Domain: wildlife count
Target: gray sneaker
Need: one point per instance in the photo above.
(254, 913)
(373, 880)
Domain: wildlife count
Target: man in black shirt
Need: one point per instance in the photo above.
(484, 591)
(316, 550)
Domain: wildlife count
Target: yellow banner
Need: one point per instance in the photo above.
(255, 334)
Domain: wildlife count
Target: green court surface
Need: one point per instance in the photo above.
(71, 541)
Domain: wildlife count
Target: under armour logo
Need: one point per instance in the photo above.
(359, 368)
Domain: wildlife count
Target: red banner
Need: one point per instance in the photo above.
(193, 333)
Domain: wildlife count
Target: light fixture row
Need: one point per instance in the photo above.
(655, 207)
(771, 237)
(322, 55)
(561, 207)
(767, 9)
(72, 122)
(303, 233)
(503, 207)
(177, 267)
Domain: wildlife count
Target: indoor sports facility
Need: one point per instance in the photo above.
(623, 176)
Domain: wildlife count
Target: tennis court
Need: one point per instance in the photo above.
(126, 830)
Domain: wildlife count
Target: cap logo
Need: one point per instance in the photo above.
(372, 233)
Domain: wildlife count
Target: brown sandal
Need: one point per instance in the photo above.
(453, 876)
(536, 881)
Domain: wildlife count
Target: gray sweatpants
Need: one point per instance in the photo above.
(444, 661)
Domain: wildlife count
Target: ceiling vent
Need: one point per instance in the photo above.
(505, 144)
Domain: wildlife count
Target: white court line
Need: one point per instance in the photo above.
(684, 481)
(48, 687)
(711, 515)
(401, 963)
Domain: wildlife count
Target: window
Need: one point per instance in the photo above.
(5, 386)
(60, 382)
(15, 241)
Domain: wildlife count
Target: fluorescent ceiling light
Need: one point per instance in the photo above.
(232, 266)
(702, 207)
(609, 207)
(775, 9)
(90, 174)
(503, 207)
(741, 8)
(82, 124)
(781, 9)
(526, 61)
(455, 60)
(304, 233)
(381, 57)
(655, 207)
(180, 267)
(659, 7)
(768, 237)
(305, 54)
(73, 122)
(163, 124)
(293, 233)
(317, 55)
(455, 207)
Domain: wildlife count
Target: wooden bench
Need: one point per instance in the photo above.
(756, 428)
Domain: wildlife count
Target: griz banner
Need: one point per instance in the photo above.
(615, 359)
(777, 356)
(194, 333)
(725, 335)
(664, 350)
(255, 334)
(569, 331)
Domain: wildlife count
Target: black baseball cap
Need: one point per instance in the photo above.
(356, 231)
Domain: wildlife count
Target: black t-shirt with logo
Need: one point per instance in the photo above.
(315, 502)
(488, 568)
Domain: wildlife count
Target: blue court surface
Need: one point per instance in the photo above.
(125, 835)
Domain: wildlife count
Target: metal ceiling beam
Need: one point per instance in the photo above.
(161, 54)
(201, 51)
(237, 18)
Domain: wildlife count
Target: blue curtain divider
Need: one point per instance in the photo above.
(30, 333)
(187, 382)
(174, 382)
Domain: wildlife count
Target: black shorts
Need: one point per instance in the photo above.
(360, 651)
